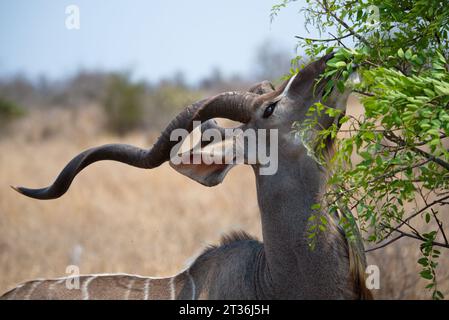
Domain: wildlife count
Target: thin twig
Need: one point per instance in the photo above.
(416, 232)
(427, 155)
(417, 237)
(417, 213)
(383, 176)
(393, 138)
(339, 40)
(385, 244)
(368, 94)
(324, 40)
(344, 24)
(440, 225)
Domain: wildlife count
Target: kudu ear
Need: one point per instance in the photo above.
(303, 83)
(209, 162)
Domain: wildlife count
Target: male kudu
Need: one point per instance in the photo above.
(283, 266)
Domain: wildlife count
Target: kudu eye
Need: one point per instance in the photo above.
(269, 110)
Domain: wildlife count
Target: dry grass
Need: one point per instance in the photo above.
(125, 219)
(129, 220)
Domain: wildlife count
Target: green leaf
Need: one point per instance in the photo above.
(341, 86)
(442, 90)
(366, 155)
(323, 220)
(406, 82)
(426, 274)
(424, 262)
(439, 294)
(408, 54)
(433, 132)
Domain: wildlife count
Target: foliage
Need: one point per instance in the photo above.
(8, 112)
(123, 103)
(165, 101)
(401, 50)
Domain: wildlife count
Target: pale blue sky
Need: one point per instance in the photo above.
(153, 38)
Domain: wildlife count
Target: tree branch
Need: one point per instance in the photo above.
(385, 244)
(344, 24)
(324, 40)
(417, 213)
(393, 138)
(440, 225)
(338, 40)
(431, 157)
(368, 94)
(417, 237)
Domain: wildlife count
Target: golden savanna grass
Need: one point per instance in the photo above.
(116, 218)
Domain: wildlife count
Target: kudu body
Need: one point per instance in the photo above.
(283, 266)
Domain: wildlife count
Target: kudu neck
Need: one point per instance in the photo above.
(286, 197)
(285, 201)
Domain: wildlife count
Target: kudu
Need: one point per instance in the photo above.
(283, 266)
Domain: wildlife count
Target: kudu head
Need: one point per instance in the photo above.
(257, 109)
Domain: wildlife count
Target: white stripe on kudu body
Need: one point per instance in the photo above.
(172, 288)
(33, 287)
(130, 288)
(85, 287)
(146, 289)
(105, 286)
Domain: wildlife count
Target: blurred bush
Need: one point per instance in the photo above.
(101, 99)
(9, 111)
(164, 101)
(123, 103)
